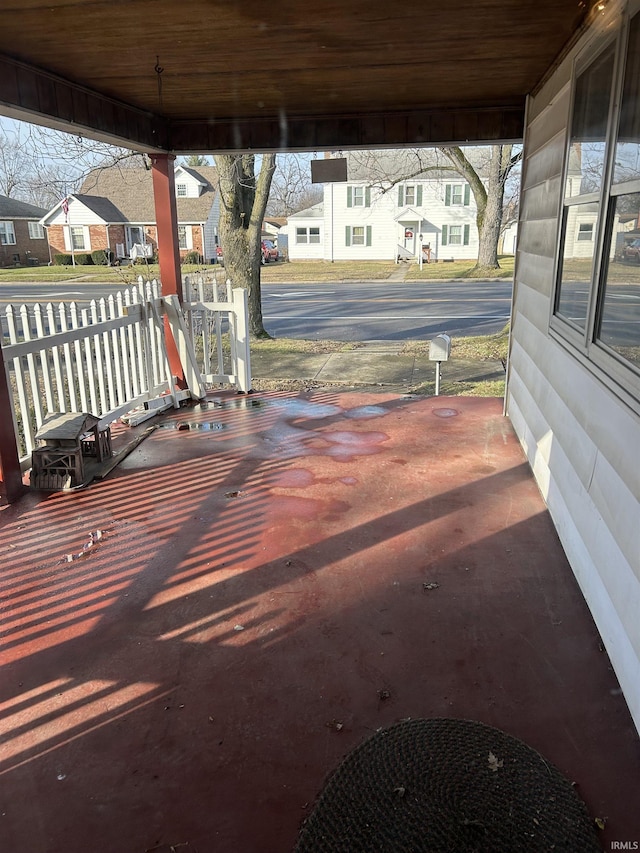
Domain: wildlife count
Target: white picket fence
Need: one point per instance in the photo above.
(111, 357)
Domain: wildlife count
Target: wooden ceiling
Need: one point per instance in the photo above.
(207, 75)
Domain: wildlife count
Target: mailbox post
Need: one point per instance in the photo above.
(439, 351)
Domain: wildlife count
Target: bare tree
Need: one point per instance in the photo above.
(291, 187)
(14, 166)
(43, 166)
(489, 198)
(243, 202)
(486, 176)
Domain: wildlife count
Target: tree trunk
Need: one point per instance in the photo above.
(489, 201)
(243, 201)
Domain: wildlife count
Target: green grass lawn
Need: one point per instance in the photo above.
(293, 271)
(459, 269)
(322, 271)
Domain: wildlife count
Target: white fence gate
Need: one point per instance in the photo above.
(217, 318)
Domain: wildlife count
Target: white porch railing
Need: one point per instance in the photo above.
(111, 357)
(104, 359)
(216, 313)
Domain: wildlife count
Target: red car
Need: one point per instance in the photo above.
(631, 251)
(269, 252)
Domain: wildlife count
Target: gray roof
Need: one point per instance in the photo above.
(102, 207)
(314, 212)
(128, 192)
(11, 208)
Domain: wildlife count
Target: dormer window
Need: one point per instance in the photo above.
(181, 190)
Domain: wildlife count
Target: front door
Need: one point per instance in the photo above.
(135, 234)
(410, 238)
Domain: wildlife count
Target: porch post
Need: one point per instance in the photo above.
(168, 251)
(10, 473)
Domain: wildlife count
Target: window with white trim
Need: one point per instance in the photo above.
(181, 190)
(358, 196)
(596, 307)
(185, 237)
(36, 231)
(308, 235)
(358, 235)
(78, 243)
(455, 235)
(585, 231)
(457, 194)
(7, 234)
(409, 195)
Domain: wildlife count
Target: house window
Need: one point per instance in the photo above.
(7, 234)
(409, 195)
(457, 194)
(181, 190)
(307, 235)
(585, 231)
(184, 237)
(358, 196)
(36, 231)
(77, 238)
(455, 235)
(597, 293)
(358, 235)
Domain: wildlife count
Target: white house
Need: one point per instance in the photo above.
(368, 218)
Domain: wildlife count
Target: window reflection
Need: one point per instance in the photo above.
(581, 223)
(589, 126)
(619, 321)
(627, 162)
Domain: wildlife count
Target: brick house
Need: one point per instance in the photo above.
(114, 210)
(23, 240)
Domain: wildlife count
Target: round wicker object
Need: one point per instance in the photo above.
(447, 786)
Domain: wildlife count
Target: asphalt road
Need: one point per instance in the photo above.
(385, 310)
(346, 311)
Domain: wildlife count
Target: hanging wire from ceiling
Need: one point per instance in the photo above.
(159, 69)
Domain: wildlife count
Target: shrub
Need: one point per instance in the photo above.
(62, 260)
(102, 256)
(83, 259)
(192, 257)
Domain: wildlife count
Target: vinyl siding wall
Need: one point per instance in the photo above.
(306, 251)
(382, 234)
(581, 439)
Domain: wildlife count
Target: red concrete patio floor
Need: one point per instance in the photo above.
(255, 606)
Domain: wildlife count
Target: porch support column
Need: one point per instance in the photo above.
(168, 250)
(10, 473)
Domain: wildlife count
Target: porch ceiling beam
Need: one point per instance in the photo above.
(30, 94)
(317, 133)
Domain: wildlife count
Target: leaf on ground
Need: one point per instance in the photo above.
(494, 762)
